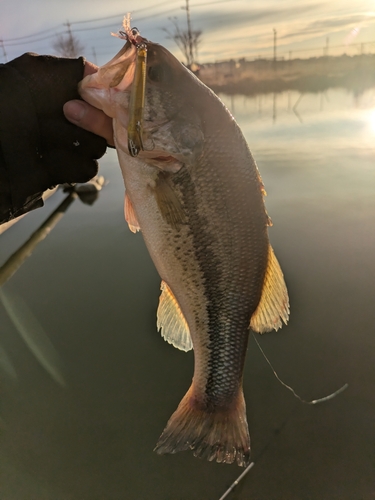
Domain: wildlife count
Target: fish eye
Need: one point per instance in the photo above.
(156, 73)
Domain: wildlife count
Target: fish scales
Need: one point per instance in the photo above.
(223, 257)
(197, 197)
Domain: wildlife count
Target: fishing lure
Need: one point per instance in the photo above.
(137, 102)
(137, 96)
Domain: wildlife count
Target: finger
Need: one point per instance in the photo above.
(89, 118)
(89, 68)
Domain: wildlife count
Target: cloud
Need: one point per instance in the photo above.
(325, 26)
(233, 29)
(210, 22)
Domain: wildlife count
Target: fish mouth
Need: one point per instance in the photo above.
(110, 90)
(115, 77)
(119, 71)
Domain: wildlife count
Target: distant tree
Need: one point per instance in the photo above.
(188, 41)
(68, 45)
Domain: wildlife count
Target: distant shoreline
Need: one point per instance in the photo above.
(355, 73)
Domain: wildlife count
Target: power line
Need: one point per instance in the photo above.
(30, 36)
(76, 30)
(209, 3)
(35, 40)
(168, 2)
(138, 20)
(105, 18)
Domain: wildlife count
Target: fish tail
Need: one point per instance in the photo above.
(218, 434)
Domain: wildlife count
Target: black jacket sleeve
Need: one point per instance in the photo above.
(39, 148)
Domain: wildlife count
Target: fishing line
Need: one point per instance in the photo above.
(234, 484)
(314, 401)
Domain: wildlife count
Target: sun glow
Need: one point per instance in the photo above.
(372, 120)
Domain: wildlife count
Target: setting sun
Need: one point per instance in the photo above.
(372, 120)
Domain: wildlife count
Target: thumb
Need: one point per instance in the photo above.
(89, 118)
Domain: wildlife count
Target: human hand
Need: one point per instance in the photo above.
(49, 149)
(88, 117)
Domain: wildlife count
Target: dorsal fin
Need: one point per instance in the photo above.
(130, 216)
(171, 321)
(273, 307)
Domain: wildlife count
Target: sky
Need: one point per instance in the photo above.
(231, 29)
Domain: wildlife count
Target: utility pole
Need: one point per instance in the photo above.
(190, 37)
(274, 44)
(325, 50)
(4, 51)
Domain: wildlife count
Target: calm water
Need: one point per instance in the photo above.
(91, 290)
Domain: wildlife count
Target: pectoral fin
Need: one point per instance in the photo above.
(130, 216)
(171, 321)
(273, 307)
(168, 202)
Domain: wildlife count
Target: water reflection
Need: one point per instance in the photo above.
(20, 314)
(335, 117)
(6, 364)
(87, 193)
(33, 334)
(97, 293)
(16, 260)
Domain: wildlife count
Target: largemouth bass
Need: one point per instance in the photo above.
(192, 187)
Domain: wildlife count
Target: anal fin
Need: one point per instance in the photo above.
(171, 321)
(273, 307)
(130, 216)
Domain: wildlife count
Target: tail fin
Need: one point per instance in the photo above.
(220, 435)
